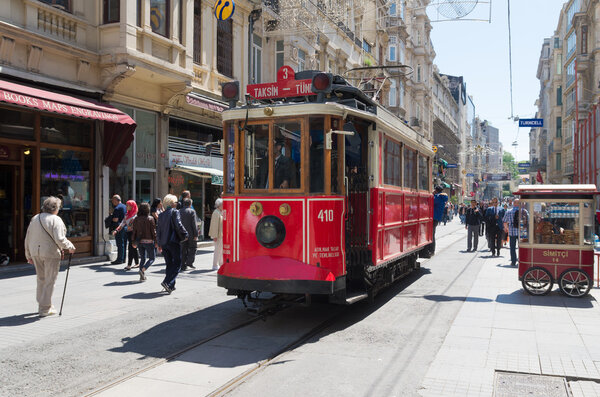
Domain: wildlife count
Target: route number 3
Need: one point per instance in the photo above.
(325, 215)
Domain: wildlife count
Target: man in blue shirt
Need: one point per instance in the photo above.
(513, 230)
(439, 203)
(117, 217)
(494, 219)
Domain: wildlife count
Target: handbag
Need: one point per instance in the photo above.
(62, 253)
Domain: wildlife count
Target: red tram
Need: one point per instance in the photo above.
(325, 191)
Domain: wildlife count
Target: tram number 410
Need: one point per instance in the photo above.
(325, 215)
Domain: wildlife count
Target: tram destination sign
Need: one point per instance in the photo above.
(531, 122)
(285, 86)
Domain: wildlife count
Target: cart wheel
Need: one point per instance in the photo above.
(537, 281)
(574, 283)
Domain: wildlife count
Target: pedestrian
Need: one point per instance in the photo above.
(511, 227)
(504, 233)
(127, 226)
(494, 216)
(445, 216)
(156, 208)
(144, 238)
(169, 235)
(439, 203)
(118, 215)
(189, 220)
(44, 242)
(462, 212)
(216, 233)
(473, 218)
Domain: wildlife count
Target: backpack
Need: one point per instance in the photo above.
(515, 220)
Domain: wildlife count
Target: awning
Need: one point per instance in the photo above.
(118, 126)
(192, 169)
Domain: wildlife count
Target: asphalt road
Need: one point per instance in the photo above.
(113, 326)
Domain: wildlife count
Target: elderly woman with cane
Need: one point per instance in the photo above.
(44, 243)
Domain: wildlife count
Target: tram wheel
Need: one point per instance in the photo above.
(574, 283)
(537, 281)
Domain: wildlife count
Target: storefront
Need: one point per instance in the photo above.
(48, 146)
(196, 164)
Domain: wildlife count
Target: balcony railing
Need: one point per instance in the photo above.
(192, 146)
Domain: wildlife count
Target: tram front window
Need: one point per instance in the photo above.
(287, 139)
(316, 155)
(256, 157)
(556, 223)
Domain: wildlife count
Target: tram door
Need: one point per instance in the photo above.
(357, 188)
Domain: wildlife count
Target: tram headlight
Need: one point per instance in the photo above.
(270, 232)
(230, 92)
(321, 83)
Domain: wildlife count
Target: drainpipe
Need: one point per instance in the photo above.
(253, 17)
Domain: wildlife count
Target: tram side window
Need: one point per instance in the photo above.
(335, 154)
(424, 173)
(287, 139)
(556, 223)
(410, 168)
(393, 163)
(229, 152)
(256, 157)
(316, 155)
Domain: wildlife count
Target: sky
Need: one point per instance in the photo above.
(479, 52)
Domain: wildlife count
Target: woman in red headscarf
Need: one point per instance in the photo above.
(127, 224)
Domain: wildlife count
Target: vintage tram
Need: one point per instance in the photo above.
(556, 238)
(325, 191)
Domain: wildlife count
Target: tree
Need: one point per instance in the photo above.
(509, 165)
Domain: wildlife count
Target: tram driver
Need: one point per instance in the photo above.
(283, 166)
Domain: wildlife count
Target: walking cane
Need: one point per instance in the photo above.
(66, 279)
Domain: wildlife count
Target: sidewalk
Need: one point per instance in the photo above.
(501, 330)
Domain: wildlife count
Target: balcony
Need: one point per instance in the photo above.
(568, 169)
(55, 23)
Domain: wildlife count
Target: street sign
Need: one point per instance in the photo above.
(434, 149)
(284, 87)
(216, 180)
(524, 165)
(452, 166)
(531, 122)
(470, 174)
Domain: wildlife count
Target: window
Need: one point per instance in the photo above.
(66, 131)
(559, 95)
(64, 5)
(559, 64)
(279, 53)
(229, 136)
(256, 157)
(556, 223)
(316, 154)
(301, 60)
(287, 139)
(198, 31)
(393, 8)
(571, 44)
(140, 11)
(15, 124)
(401, 94)
(558, 161)
(225, 47)
(392, 55)
(575, 5)
(559, 127)
(145, 140)
(393, 93)
(393, 163)
(410, 168)
(424, 173)
(570, 73)
(111, 11)
(159, 16)
(366, 46)
(256, 59)
(556, 42)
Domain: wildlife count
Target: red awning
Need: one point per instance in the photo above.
(118, 126)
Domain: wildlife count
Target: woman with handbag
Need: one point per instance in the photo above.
(44, 243)
(169, 234)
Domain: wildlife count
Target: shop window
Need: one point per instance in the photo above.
(256, 157)
(424, 173)
(66, 174)
(287, 139)
(111, 11)
(145, 140)
(159, 16)
(556, 223)
(393, 163)
(410, 168)
(316, 154)
(64, 5)
(66, 131)
(16, 124)
(225, 47)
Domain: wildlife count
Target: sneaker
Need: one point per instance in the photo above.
(117, 262)
(50, 312)
(127, 268)
(166, 287)
(142, 275)
(192, 266)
